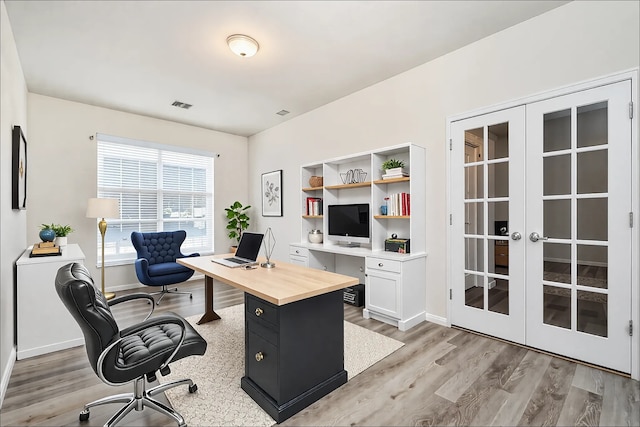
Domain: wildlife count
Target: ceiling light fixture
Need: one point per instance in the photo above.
(242, 45)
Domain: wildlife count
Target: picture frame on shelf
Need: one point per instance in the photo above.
(19, 169)
(272, 193)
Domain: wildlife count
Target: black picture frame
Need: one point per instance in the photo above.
(272, 193)
(19, 169)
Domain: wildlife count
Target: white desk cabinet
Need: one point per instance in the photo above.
(43, 322)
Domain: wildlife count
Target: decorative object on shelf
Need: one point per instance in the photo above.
(272, 193)
(19, 169)
(238, 221)
(393, 168)
(383, 210)
(47, 234)
(353, 176)
(269, 243)
(103, 208)
(45, 249)
(315, 236)
(394, 244)
(62, 231)
(315, 181)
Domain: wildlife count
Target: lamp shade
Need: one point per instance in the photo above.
(242, 45)
(103, 208)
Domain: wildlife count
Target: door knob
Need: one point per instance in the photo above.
(534, 237)
(516, 236)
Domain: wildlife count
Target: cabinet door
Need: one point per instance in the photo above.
(383, 293)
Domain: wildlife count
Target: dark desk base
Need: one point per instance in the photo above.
(294, 353)
(282, 412)
(209, 314)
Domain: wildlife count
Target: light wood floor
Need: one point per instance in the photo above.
(441, 376)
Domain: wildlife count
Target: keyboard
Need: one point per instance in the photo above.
(236, 260)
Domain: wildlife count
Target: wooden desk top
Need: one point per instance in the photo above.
(281, 285)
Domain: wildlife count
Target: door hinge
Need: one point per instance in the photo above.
(450, 144)
(630, 328)
(450, 293)
(630, 219)
(631, 110)
(450, 219)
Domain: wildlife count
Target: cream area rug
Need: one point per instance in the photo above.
(219, 400)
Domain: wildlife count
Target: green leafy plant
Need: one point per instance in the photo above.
(47, 227)
(392, 163)
(238, 220)
(61, 230)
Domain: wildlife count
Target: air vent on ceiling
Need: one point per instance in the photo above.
(282, 112)
(182, 105)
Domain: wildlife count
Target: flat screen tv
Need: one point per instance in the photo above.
(349, 223)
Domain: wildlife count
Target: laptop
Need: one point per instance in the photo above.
(247, 252)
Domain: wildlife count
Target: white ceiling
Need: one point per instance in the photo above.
(140, 56)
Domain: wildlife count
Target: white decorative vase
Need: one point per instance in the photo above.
(61, 241)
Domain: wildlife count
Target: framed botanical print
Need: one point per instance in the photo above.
(19, 169)
(272, 193)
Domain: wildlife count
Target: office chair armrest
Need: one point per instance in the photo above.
(156, 321)
(131, 297)
(142, 271)
(189, 256)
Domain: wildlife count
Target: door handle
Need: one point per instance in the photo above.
(516, 236)
(534, 237)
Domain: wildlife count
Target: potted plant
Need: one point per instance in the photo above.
(238, 221)
(62, 231)
(393, 168)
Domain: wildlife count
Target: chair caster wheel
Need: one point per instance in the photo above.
(84, 415)
(192, 389)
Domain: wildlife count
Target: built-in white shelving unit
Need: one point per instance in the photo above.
(395, 283)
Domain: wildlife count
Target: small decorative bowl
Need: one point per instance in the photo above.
(315, 181)
(315, 236)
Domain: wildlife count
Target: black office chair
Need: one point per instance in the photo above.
(139, 351)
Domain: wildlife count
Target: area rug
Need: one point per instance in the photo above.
(220, 401)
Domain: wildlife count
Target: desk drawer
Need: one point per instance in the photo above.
(262, 364)
(260, 309)
(384, 265)
(295, 250)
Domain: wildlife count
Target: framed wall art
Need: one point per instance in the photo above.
(272, 193)
(19, 169)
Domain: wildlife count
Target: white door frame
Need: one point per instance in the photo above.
(635, 185)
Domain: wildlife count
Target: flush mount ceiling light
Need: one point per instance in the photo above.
(242, 45)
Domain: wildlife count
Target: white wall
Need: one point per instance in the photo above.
(576, 42)
(62, 170)
(13, 111)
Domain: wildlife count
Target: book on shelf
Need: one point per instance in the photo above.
(394, 175)
(314, 206)
(399, 204)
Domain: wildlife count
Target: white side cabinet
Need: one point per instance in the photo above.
(395, 291)
(44, 324)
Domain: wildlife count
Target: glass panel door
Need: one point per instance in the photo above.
(488, 190)
(578, 234)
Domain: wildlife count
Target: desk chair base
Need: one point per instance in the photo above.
(140, 399)
(165, 291)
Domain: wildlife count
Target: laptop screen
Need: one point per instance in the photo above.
(249, 245)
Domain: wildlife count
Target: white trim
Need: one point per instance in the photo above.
(154, 145)
(443, 321)
(49, 348)
(630, 74)
(6, 374)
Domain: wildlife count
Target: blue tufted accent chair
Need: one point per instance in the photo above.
(156, 264)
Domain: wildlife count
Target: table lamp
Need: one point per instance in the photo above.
(103, 208)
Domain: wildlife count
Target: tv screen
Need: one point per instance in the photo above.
(349, 223)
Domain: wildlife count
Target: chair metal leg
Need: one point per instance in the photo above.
(165, 291)
(138, 400)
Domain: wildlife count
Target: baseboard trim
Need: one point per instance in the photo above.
(443, 321)
(6, 374)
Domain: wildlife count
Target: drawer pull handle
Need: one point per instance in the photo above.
(380, 264)
(259, 312)
(297, 251)
(259, 356)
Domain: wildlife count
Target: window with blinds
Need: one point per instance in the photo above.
(160, 188)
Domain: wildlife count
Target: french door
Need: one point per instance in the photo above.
(542, 216)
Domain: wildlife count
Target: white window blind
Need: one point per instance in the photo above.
(160, 188)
